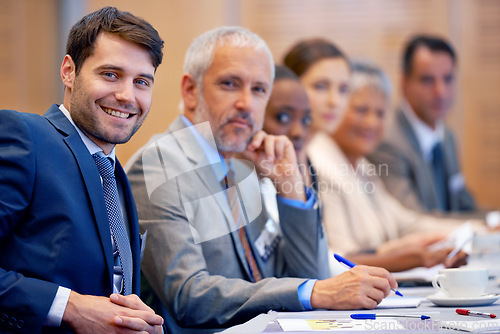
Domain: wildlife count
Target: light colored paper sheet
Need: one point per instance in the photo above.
(418, 274)
(474, 326)
(400, 302)
(340, 325)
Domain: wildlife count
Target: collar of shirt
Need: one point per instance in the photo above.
(213, 156)
(426, 136)
(91, 146)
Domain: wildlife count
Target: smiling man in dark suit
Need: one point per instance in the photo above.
(69, 237)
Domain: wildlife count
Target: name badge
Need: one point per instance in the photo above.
(268, 240)
(456, 183)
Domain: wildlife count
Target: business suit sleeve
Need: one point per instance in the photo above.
(304, 247)
(178, 271)
(25, 301)
(399, 177)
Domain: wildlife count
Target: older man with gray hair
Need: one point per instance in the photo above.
(215, 258)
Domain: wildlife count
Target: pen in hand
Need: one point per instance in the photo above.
(351, 265)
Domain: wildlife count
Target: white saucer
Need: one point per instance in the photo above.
(440, 299)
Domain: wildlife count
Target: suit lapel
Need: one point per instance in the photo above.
(195, 154)
(90, 176)
(424, 173)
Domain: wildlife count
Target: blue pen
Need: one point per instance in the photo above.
(373, 316)
(351, 264)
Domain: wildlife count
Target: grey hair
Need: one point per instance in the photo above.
(366, 74)
(201, 52)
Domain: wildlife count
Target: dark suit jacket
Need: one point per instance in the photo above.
(54, 228)
(409, 177)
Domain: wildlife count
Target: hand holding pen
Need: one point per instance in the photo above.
(352, 265)
(361, 287)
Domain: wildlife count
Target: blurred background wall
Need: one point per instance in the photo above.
(33, 34)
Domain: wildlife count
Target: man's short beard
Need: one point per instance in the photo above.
(200, 116)
(224, 146)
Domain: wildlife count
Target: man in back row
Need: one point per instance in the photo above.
(69, 236)
(214, 256)
(419, 150)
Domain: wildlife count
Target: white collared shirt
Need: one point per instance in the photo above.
(91, 146)
(427, 137)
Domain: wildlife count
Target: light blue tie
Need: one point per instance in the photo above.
(116, 224)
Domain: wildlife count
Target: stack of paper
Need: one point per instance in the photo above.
(400, 302)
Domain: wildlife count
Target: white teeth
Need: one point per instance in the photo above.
(115, 113)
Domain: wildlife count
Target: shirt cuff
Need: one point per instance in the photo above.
(305, 291)
(307, 205)
(56, 312)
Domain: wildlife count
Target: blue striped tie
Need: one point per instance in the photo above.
(116, 224)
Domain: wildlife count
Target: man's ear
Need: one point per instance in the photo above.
(189, 91)
(68, 72)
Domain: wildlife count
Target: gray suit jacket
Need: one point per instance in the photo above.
(409, 177)
(207, 284)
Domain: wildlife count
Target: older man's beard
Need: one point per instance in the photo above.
(227, 142)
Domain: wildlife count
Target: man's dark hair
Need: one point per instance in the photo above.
(82, 36)
(306, 53)
(433, 43)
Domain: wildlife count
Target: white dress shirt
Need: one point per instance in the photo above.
(427, 137)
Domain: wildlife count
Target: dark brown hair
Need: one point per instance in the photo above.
(307, 52)
(82, 36)
(433, 43)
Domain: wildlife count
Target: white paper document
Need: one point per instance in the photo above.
(400, 302)
(419, 274)
(474, 326)
(340, 325)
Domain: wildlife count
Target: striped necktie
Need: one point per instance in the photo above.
(115, 218)
(239, 219)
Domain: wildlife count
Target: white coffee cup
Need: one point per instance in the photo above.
(461, 282)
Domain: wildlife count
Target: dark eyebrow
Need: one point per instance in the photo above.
(118, 68)
(286, 107)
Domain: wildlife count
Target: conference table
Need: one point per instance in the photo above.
(270, 322)
(485, 254)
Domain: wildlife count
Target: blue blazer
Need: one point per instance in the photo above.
(54, 227)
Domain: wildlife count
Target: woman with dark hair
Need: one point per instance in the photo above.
(324, 71)
(288, 114)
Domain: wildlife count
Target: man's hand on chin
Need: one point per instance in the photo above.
(274, 157)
